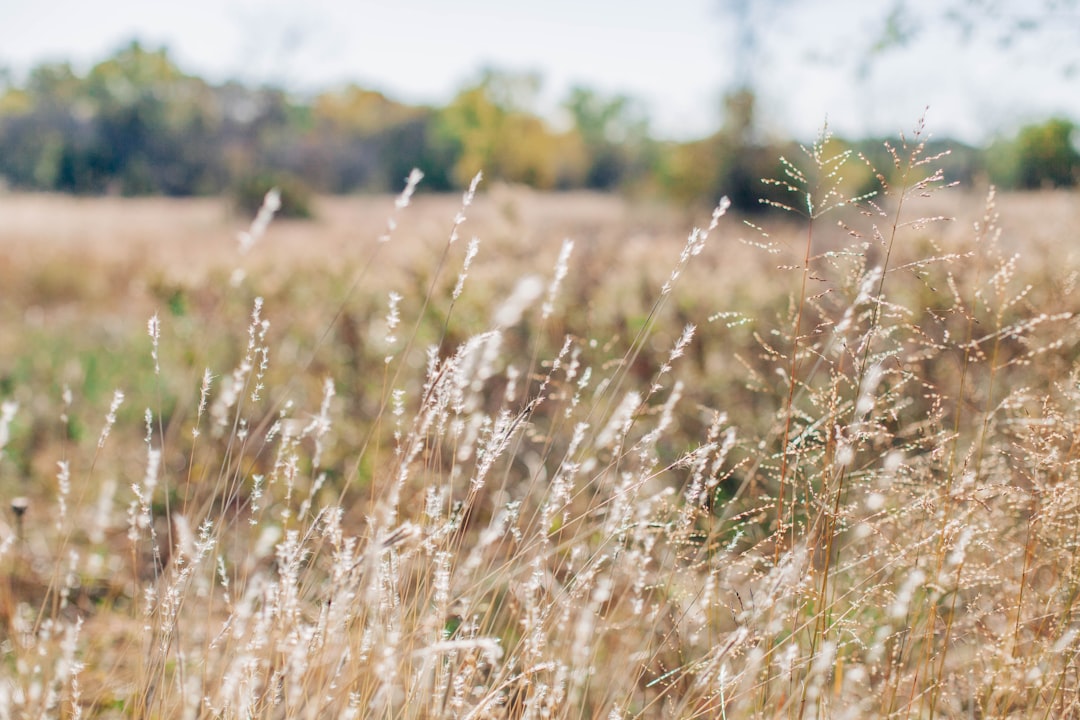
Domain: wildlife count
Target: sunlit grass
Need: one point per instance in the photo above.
(820, 468)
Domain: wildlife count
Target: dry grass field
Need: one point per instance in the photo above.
(366, 468)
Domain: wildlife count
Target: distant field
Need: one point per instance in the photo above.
(188, 237)
(657, 478)
(48, 242)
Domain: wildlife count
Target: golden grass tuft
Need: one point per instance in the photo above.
(824, 469)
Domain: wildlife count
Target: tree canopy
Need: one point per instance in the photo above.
(136, 123)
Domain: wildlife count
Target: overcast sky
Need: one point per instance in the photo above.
(808, 59)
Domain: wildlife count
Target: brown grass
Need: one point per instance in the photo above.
(850, 494)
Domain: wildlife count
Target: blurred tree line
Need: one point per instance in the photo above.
(137, 124)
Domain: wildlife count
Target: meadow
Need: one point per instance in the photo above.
(525, 455)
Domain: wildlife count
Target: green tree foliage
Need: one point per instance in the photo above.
(614, 134)
(39, 121)
(1047, 155)
(491, 126)
(136, 123)
(371, 142)
(1040, 156)
(731, 162)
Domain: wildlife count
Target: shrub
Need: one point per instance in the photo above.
(1041, 156)
(296, 196)
(1048, 155)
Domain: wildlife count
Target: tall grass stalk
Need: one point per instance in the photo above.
(487, 494)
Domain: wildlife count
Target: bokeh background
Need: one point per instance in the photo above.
(541, 450)
(684, 101)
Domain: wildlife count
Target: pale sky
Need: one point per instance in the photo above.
(676, 56)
